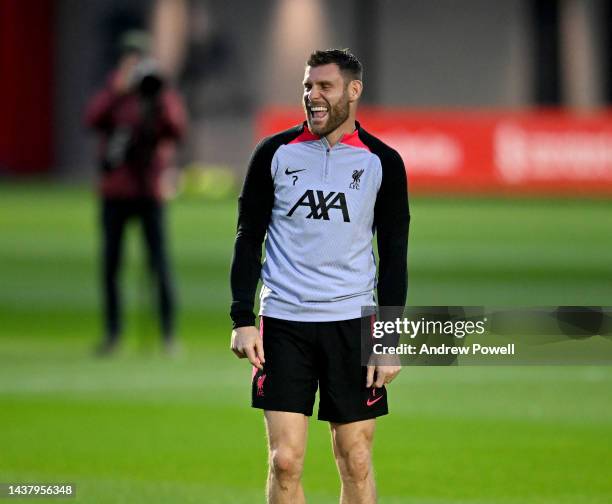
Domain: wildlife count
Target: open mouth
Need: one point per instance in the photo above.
(318, 112)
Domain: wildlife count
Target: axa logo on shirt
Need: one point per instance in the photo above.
(321, 204)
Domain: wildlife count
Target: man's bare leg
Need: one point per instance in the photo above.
(352, 443)
(287, 434)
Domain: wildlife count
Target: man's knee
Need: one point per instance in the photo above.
(355, 464)
(286, 463)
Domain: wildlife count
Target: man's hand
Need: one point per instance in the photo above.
(122, 81)
(247, 342)
(385, 373)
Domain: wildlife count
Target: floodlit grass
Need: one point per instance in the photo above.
(140, 428)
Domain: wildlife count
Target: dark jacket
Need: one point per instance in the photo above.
(137, 140)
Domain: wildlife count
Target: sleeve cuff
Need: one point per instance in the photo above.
(243, 320)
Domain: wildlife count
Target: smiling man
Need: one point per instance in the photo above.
(317, 193)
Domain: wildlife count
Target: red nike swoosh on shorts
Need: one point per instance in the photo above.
(369, 402)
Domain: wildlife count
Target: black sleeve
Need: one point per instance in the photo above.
(254, 210)
(392, 219)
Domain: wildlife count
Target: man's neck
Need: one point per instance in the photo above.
(346, 128)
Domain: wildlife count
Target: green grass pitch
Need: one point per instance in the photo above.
(140, 428)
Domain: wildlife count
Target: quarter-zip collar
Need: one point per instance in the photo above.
(347, 138)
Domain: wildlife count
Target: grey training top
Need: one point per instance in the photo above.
(320, 207)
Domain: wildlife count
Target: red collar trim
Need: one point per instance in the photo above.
(351, 139)
(305, 136)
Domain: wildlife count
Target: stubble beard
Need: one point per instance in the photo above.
(337, 115)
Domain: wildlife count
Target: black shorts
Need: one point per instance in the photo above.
(301, 356)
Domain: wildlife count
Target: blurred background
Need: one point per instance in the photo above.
(500, 111)
(235, 62)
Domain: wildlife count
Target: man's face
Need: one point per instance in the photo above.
(326, 99)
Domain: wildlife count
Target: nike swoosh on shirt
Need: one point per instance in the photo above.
(287, 172)
(369, 402)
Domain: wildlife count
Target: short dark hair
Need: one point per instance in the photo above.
(347, 62)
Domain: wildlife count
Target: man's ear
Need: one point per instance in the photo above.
(355, 88)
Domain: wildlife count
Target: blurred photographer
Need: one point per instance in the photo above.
(139, 120)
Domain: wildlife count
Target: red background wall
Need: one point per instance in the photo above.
(26, 85)
(476, 151)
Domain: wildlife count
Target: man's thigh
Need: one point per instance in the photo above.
(287, 433)
(114, 216)
(344, 396)
(349, 437)
(288, 381)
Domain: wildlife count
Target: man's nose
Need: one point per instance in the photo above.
(313, 94)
